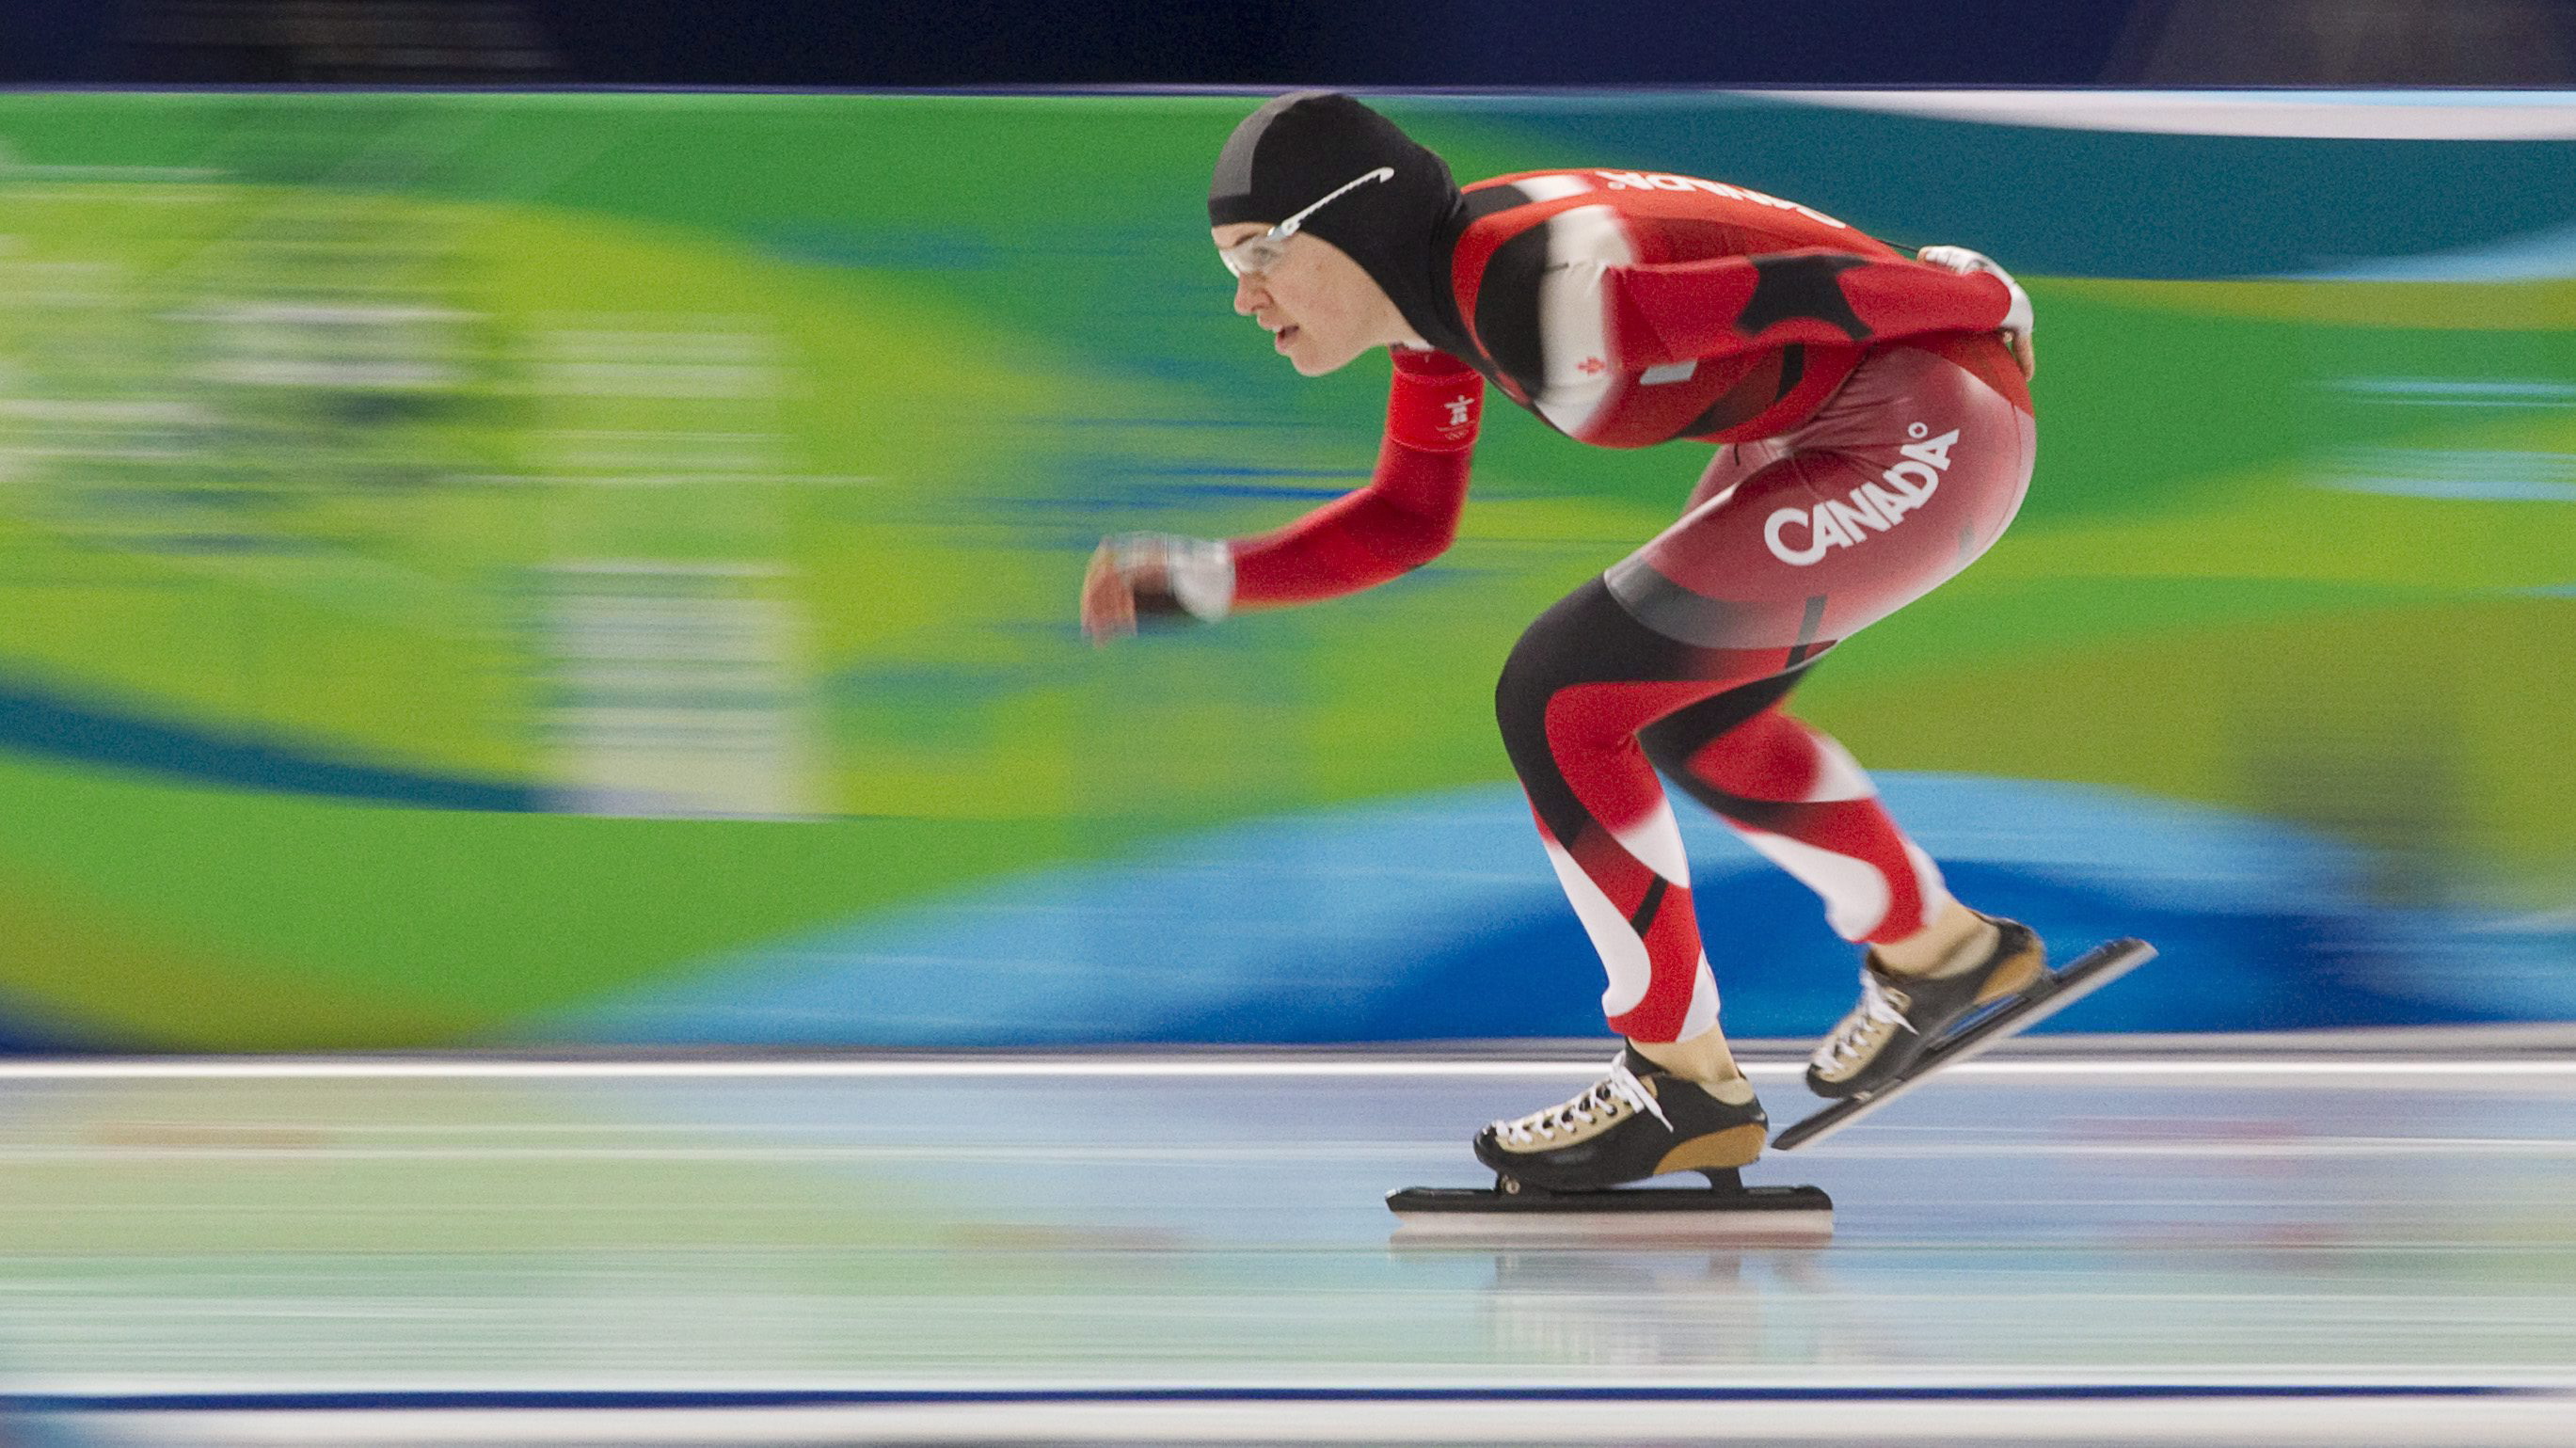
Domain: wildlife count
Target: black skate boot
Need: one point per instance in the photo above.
(1901, 1016)
(1641, 1121)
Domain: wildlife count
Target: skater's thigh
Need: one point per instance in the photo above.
(1905, 479)
(1671, 740)
(1591, 641)
(1581, 683)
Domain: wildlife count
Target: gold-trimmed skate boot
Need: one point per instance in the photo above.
(1640, 1121)
(1900, 1016)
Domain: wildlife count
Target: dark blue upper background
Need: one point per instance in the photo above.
(1044, 42)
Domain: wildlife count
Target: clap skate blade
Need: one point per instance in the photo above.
(2051, 993)
(1724, 1213)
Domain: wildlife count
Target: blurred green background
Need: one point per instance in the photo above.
(473, 563)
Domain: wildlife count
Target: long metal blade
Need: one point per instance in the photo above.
(2088, 973)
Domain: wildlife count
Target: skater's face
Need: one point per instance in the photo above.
(1320, 308)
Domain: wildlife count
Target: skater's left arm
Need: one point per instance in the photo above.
(1404, 518)
(1665, 313)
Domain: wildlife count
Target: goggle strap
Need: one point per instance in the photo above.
(1289, 227)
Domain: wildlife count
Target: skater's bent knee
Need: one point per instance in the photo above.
(1663, 752)
(1521, 693)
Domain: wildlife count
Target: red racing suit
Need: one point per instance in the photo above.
(1874, 438)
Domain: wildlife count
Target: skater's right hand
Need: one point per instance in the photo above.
(1156, 575)
(2017, 322)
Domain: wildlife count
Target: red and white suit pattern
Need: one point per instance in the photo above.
(1874, 438)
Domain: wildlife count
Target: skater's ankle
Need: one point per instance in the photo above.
(1734, 1090)
(1703, 1058)
(1956, 940)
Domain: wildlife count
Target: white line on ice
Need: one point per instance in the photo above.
(2311, 1422)
(2184, 1147)
(2293, 1375)
(2373, 1070)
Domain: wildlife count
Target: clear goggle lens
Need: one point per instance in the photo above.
(1254, 257)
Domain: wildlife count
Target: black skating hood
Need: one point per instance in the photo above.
(1300, 147)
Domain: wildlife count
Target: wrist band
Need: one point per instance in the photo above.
(1435, 412)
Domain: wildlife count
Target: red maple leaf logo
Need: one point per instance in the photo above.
(1591, 366)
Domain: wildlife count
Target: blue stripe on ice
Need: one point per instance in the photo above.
(1438, 917)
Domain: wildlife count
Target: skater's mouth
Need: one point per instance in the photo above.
(1281, 338)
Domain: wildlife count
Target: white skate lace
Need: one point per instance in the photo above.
(1880, 1014)
(1620, 1088)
